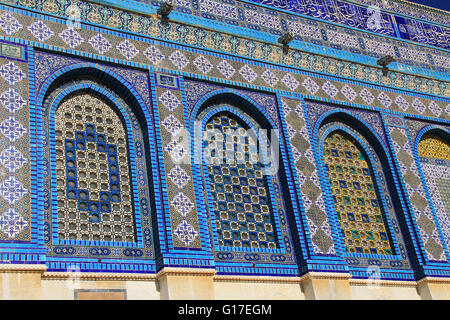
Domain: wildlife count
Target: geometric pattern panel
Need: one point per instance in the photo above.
(15, 179)
(195, 93)
(133, 158)
(416, 193)
(434, 156)
(177, 165)
(339, 39)
(239, 188)
(358, 208)
(308, 177)
(94, 185)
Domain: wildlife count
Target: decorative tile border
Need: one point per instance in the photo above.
(258, 75)
(130, 50)
(411, 59)
(410, 9)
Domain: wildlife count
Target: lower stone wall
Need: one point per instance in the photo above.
(230, 288)
(100, 290)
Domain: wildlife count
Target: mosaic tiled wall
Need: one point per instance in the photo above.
(15, 175)
(171, 84)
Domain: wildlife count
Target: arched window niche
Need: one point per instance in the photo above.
(95, 160)
(240, 179)
(358, 186)
(433, 150)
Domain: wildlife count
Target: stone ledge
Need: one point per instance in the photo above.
(98, 276)
(382, 283)
(440, 280)
(325, 275)
(241, 278)
(23, 268)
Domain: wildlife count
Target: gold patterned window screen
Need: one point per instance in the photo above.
(358, 207)
(431, 146)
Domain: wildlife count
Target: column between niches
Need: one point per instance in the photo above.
(320, 276)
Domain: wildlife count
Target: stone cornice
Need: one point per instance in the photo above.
(185, 272)
(437, 280)
(274, 279)
(23, 268)
(99, 276)
(325, 275)
(382, 283)
(40, 268)
(242, 278)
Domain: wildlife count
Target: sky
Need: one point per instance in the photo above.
(440, 4)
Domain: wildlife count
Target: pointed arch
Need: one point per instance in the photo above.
(97, 73)
(249, 217)
(96, 152)
(234, 97)
(358, 124)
